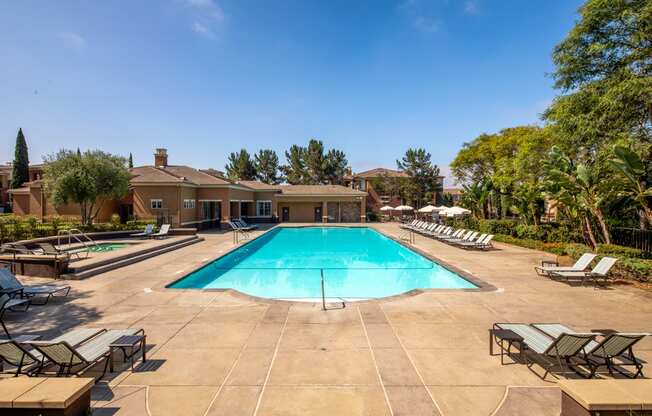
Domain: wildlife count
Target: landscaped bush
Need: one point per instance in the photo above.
(614, 250)
(15, 228)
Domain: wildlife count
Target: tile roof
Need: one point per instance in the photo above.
(319, 190)
(174, 174)
(377, 172)
(257, 185)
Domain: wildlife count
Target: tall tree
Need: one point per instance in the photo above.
(423, 183)
(336, 167)
(131, 160)
(636, 179)
(295, 170)
(88, 180)
(266, 165)
(20, 172)
(240, 166)
(315, 162)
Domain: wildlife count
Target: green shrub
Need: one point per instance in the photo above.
(614, 250)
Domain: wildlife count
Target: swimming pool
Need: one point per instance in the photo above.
(357, 262)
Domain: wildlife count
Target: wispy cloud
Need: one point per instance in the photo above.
(202, 29)
(470, 7)
(426, 24)
(421, 15)
(207, 16)
(72, 40)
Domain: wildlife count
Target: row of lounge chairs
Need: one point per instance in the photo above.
(148, 232)
(69, 354)
(15, 296)
(555, 344)
(578, 271)
(460, 237)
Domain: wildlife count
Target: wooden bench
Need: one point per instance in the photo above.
(606, 397)
(22, 396)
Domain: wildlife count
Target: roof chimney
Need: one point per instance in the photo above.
(161, 158)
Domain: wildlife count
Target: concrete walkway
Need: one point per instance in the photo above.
(222, 353)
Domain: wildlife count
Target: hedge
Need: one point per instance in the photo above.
(15, 228)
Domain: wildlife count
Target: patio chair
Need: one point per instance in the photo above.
(147, 232)
(14, 352)
(162, 233)
(580, 265)
(443, 231)
(601, 270)
(49, 248)
(429, 227)
(459, 235)
(467, 238)
(548, 351)
(614, 351)
(236, 227)
(7, 303)
(471, 242)
(9, 283)
(483, 245)
(408, 225)
(244, 224)
(71, 360)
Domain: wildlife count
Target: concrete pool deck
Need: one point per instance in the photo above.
(223, 353)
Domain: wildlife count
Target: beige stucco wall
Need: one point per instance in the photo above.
(169, 194)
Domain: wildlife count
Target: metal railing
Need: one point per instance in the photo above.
(407, 235)
(323, 293)
(633, 237)
(237, 234)
(75, 234)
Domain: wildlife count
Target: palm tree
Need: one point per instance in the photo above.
(634, 179)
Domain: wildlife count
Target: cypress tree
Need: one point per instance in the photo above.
(20, 172)
(131, 161)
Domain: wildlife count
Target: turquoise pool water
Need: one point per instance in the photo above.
(357, 263)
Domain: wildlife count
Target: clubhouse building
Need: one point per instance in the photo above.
(188, 197)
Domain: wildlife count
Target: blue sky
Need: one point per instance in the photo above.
(207, 77)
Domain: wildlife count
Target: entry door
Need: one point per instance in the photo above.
(285, 214)
(318, 217)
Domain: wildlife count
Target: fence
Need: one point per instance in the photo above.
(632, 237)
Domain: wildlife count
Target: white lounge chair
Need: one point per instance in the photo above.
(163, 232)
(580, 265)
(149, 229)
(601, 270)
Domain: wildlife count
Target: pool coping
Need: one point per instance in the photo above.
(482, 286)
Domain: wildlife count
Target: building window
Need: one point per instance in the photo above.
(156, 203)
(189, 203)
(263, 208)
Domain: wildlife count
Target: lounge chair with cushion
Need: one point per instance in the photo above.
(70, 360)
(460, 235)
(163, 232)
(550, 352)
(236, 227)
(580, 265)
(614, 351)
(601, 270)
(14, 352)
(149, 229)
(467, 238)
(7, 303)
(9, 283)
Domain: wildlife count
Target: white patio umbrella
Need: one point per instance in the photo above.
(455, 211)
(441, 207)
(404, 208)
(427, 209)
(386, 208)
